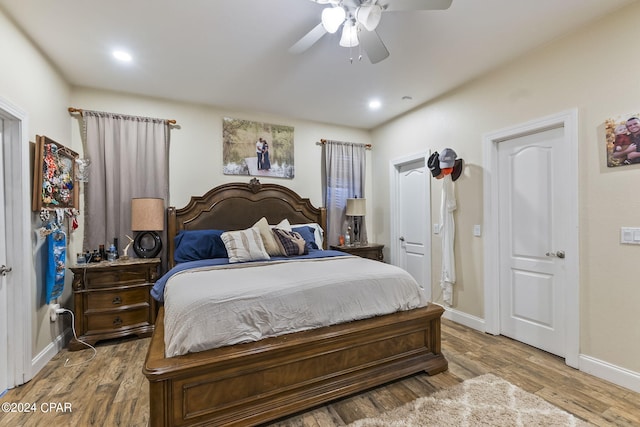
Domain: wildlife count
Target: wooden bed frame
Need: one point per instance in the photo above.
(249, 384)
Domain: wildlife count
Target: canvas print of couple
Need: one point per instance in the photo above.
(257, 149)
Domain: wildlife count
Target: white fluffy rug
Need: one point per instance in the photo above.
(486, 400)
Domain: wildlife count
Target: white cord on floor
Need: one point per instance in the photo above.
(73, 328)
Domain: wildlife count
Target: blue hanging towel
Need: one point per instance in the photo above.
(56, 266)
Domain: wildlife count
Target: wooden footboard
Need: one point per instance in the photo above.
(252, 383)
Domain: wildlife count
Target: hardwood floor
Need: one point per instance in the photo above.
(112, 391)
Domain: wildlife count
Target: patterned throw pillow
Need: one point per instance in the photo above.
(244, 245)
(290, 242)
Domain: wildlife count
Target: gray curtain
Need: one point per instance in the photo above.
(344, 174)
(129, 158)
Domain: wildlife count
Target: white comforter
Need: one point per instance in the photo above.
(217, 306)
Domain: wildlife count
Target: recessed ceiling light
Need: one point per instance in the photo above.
(375, 104)
(121, 55)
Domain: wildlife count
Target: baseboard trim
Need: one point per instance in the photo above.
(590, 365)
(465, 319)
(607, 371)
(48, 353)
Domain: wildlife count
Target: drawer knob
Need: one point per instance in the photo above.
(117, 300)
(117, 321)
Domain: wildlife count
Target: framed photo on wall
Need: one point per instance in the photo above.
(257, 149)
(54, 176)
(623, 140)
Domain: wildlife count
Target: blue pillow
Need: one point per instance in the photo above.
(307, 235)
(194, 245)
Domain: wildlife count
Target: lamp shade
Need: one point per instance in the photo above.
(356, 207)
(147, 214)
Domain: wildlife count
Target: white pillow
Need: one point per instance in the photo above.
(244, 245)
(283, 225)
(318, 232)
(268, 238)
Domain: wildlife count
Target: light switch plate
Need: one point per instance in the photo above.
(630, 235)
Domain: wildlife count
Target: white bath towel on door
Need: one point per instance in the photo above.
(447, 233)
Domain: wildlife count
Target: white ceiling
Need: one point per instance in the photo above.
(233, 54)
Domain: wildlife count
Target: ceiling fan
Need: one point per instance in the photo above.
(359, 19)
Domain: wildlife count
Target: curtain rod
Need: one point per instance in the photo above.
(324, 141)
(79, 110)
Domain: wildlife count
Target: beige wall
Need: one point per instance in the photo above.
(28, 81)
(594, 70)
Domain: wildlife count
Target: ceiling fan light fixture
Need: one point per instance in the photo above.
(349, 35)
(332, 18)
(369, 16)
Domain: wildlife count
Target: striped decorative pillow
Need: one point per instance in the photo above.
(244, 245)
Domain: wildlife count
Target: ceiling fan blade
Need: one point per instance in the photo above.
(308, 39)
(372, 44)
(402, 5)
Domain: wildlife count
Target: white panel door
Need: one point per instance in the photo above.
(413, 220)
(532, 239)
(4, 344)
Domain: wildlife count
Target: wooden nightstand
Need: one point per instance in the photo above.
(113, 300)
(370, 250)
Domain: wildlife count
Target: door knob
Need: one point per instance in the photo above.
(4, 270)
(559, 254)
(402, 238)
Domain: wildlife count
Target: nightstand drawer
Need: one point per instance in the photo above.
(111, 299)
(116, 320)
(115, 277)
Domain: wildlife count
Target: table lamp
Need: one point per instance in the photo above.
(147, 218)
(356, 208)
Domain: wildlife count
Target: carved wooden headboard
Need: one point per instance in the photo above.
(237, 206)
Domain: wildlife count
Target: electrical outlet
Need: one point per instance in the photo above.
(53, 311)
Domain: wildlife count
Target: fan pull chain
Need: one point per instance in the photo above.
(359, 53)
